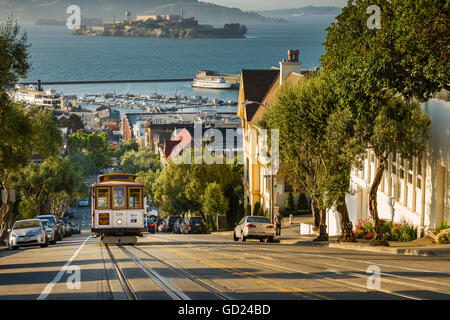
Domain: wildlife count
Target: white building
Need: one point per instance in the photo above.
(48, 98)
(412, 190)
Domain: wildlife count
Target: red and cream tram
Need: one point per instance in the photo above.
(118, 208)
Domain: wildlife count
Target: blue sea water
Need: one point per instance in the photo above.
(57, 55)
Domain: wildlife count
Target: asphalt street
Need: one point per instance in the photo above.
(166, 266)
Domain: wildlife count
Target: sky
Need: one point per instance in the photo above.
(255, 5)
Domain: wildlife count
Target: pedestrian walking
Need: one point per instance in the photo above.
(278, 222)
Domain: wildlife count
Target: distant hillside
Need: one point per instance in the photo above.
(305, 11)
(32, 10)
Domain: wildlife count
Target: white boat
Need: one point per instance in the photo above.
(211, 83)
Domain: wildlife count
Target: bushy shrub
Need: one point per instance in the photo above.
(290, 206)
(302, 204)
(442, 226)
(256, 208)
(444, 237)
(391, 231)
(248, 210)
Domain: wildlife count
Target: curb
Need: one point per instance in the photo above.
(358, 247)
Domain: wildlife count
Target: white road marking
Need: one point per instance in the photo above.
(48, 289)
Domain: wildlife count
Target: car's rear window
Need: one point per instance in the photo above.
(258, 219)
(26, 224)
(196, 220)
(173, 219)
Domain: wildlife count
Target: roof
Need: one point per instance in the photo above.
(255, 84)
(271, 95)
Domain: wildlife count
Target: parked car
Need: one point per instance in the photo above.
(178, 225)
(254, 227)
(67, 228)
(59, 230)
(76, 229)
(170, 222)
(28, 232)
(196, 225)
(83, 202)
(49, 231)
(68, 215)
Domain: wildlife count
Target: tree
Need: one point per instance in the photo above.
(126, 146)
(15, 128)
(408, 54)
(50, 185)
(305, 116)
(379, 73)
(148, 178)
(142, 160)
(74, 123)
(248, 210)
(213, 201)
(93, 145)
(13, 57)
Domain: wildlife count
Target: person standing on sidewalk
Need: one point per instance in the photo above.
(278, 222)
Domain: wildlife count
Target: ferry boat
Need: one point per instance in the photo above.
(211, 80)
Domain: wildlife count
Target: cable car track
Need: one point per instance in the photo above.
(173, 292)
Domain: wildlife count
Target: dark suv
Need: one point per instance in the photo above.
(196, 225)
(170, 222)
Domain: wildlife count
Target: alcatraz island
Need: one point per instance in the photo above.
(162, 26)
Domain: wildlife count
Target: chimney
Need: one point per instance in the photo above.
(39, 85)
(291, 65)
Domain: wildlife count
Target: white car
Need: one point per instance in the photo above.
(29, 232)
(254, 227)
(83, 202)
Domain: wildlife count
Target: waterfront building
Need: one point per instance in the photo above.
(37, 97)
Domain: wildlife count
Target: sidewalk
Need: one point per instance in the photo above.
(420, 247)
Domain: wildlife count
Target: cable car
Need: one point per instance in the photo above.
(118, 208)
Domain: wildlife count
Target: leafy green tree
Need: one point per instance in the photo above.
(74, 123)
(86, 163)
(137, 161)
(213, 201)
(25, 211)
(408, 54)
(95, 145)
(13, 56)
(148, 178)
(53, 179)
(305, 115)
(378, 74)
(125, 147)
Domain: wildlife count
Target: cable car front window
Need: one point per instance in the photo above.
(119, 198)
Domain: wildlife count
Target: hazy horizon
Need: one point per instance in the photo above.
(257, 5)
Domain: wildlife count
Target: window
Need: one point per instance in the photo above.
(103, 198)
(394, 162)
(135, 198)
(119, 198)
(410, 171)
(402, 169)
(419, 174)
